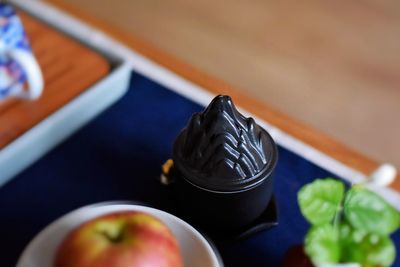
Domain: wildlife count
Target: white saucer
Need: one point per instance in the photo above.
(196, 250)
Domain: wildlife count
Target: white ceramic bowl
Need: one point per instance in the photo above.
(196, 250)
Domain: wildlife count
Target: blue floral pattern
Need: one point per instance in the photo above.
(12, 35)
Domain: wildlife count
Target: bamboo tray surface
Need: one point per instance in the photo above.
(68, 67)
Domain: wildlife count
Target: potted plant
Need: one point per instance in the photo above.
(349, 227)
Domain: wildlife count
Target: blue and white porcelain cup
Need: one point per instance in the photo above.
(20, 74)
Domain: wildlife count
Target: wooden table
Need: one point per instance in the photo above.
(68, 68)
(303, 132)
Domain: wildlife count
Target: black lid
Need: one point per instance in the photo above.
(221, 150)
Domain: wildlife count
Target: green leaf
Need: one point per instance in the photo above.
(322, 244)
(350, 241)
(367, 211)
(380, 251)
(320, 200)
(368, 249)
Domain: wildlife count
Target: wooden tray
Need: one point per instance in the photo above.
(300, 131)
(68, 68)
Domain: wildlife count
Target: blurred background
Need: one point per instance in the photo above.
(334, 65)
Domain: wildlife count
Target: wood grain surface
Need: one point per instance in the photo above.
(68, 68)
(297, 129)
(331, 64)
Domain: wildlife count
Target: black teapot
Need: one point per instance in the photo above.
(222, 171)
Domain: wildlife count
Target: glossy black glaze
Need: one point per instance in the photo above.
(221, 213)
(223, 167)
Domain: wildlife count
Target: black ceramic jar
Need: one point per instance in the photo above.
(223, 168)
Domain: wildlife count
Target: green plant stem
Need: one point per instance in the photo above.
(339, 214)
(337, 218)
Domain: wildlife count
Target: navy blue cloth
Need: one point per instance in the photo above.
(118, 156)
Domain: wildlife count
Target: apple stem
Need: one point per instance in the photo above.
(114, 238)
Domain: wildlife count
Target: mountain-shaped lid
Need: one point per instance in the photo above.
(222, 150)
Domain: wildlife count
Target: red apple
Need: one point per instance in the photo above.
(296, 256)
(124, 239)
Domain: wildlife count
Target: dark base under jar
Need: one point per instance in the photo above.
(221, 212)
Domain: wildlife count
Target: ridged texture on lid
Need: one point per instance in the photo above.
(220, 148)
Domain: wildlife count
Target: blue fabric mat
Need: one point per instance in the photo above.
(117, 157)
